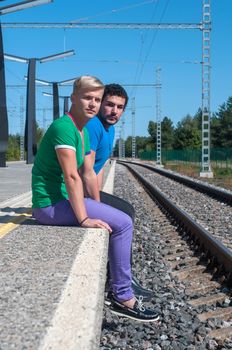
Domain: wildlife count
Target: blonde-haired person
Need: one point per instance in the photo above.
(63, 171)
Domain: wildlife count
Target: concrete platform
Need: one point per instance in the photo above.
(52, 279)
(15, 180)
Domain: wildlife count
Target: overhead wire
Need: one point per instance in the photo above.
(138, 76)
(143, 39)
(18, 91)
(113, 11)
(137, 73)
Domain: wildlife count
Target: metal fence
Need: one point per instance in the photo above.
(220, 157)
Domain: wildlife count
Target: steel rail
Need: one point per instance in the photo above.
(207, 242)
(217, 193)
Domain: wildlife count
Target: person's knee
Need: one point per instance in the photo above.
(121, 222)
(127, 222)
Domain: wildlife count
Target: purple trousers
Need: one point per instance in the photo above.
(120, 240)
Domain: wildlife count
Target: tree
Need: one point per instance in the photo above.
(167, 133)
(224, 131)
(39, 133)
(187, 134)
(152, 131)
(13, 152)
(198, 118)
(215, 131)
(116, 149)
(141, 142)
(128, 146)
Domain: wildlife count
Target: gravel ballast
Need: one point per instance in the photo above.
(178, 327)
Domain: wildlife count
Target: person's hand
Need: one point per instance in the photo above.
(92, 223)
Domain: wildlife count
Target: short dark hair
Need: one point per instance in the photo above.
(115, 90)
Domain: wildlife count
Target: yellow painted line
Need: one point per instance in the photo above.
(15, 222)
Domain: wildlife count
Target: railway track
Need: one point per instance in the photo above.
(213, 191)
(194, 263)
(211, 211)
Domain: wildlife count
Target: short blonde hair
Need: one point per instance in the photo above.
(87, 81)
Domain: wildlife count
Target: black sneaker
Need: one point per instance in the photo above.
(138, 313)
(108, 298)
(140, 291)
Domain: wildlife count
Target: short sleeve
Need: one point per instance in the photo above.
(64, 136)
(94, 133)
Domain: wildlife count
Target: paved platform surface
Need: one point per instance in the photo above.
(51, 278)
(15, 179)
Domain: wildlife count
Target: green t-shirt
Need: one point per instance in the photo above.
(48, 186)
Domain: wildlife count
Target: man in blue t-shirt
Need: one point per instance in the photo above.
(101, 133)
(101, 128)
(102, 138)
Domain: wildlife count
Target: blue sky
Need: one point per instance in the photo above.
(125, 56)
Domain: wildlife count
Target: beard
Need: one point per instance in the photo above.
(108, 120)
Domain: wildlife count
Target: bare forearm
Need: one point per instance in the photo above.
(89, 177)
(100, 176)
(91, 186)
(74, 188)
(76, 197)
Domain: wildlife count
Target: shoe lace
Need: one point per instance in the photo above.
(139, 300)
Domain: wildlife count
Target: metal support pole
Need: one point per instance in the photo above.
(21, 129)
(133, 145)
(66, 108)
(120, 147)
(206, 113)
(56, 108)
(44, 120)
(123, 148)
(3, 108)
(30, 129)
(158, 119)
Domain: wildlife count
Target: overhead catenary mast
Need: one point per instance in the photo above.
(158, 119)
(133, 139)
(123, 137)
(206, 170)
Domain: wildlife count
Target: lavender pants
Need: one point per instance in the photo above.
(61, 214)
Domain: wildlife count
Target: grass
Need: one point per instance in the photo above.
(222, 176)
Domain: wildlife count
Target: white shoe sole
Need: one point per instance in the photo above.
(133, 318)
(107, 302)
